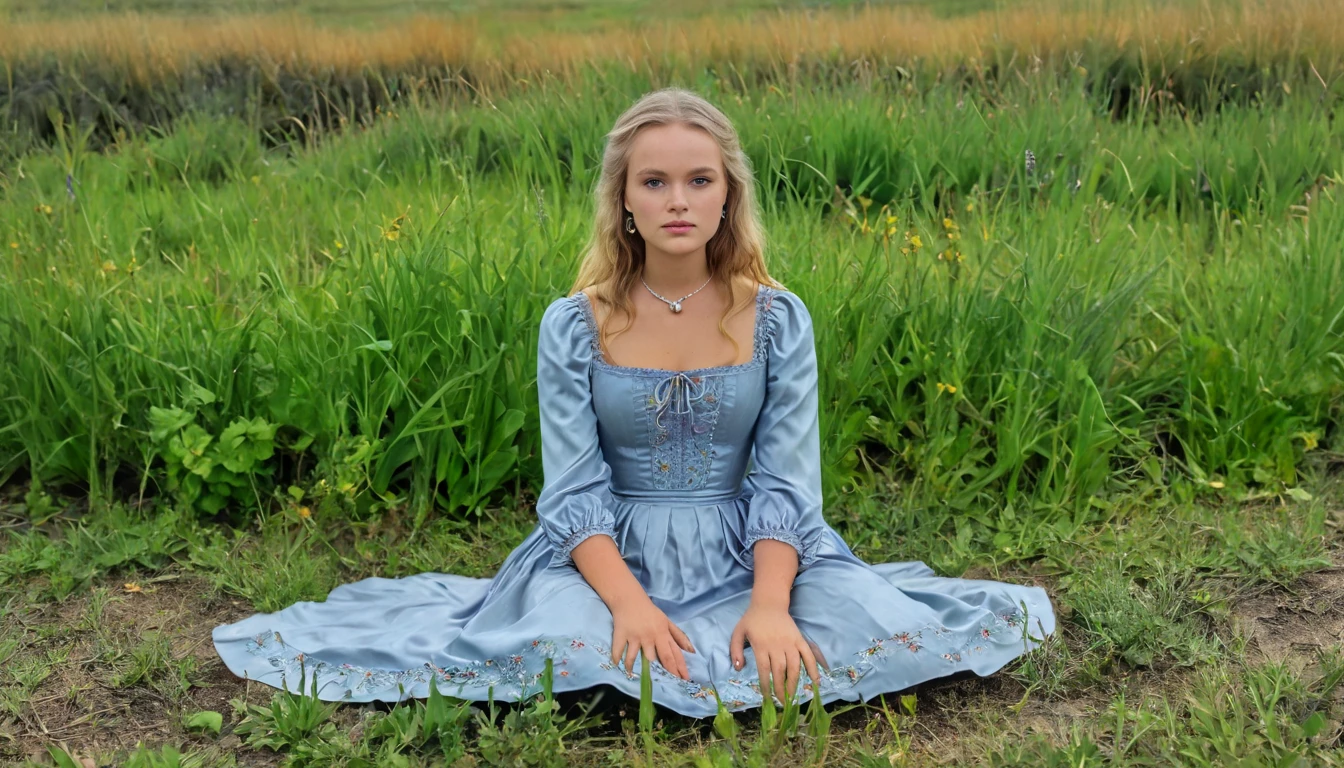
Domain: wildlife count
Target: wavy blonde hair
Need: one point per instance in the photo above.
(614, 258)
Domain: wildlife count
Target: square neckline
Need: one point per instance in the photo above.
(758, 320)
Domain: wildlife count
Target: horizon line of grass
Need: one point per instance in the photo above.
(145, 49)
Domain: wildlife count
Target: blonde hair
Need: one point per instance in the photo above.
(614, 258)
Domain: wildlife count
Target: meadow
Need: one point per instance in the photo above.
(270, 318)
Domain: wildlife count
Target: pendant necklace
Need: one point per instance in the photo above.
(675, 306)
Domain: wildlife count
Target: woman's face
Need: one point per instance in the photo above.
(675, 175)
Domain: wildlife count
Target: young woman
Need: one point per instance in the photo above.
(681, 515)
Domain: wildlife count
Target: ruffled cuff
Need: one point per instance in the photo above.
(807, 551)
(563, 552)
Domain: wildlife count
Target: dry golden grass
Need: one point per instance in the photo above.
(148, 49)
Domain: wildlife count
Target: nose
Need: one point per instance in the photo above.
(678, 200)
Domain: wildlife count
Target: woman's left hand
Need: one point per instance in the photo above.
(779, 648)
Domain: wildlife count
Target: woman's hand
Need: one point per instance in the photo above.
(640, 625)
(778, 645)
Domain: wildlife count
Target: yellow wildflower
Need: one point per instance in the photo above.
(1310, 440)
(131, 586)
(949, 224)
(305, 512)
(916, 242)
(393, 230)
(970, 207)
(108, 266)
(891, 219)
(948, 388)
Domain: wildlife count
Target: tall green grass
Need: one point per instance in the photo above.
(354, 323)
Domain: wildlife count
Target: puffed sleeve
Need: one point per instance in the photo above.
(785, 480)
(575, 501)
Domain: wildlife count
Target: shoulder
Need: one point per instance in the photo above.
(785, 314)
(564, 324)
(563, 311)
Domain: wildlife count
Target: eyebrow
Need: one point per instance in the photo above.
(693, 171)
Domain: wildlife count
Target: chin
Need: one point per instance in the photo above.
(682, 246)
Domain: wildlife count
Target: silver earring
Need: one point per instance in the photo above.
(724, 215)
(630, 224)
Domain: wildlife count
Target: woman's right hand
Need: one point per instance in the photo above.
(639, 625)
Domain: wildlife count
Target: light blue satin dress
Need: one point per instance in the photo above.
(685, 471)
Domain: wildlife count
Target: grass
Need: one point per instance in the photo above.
(222, 324)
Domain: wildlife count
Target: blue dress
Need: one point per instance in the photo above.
(685, 471)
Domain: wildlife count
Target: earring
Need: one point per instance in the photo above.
(630, 224)
(725, 213)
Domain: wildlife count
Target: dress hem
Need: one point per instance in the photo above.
(876, 669)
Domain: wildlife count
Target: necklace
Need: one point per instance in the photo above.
(675, 306)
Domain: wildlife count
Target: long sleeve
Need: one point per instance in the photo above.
(785, 481)
(575, 501)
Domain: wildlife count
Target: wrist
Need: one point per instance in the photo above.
(625, 599)
(769, 600)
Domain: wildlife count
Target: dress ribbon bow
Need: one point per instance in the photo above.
(678, 391)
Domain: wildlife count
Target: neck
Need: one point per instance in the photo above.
(675, 276)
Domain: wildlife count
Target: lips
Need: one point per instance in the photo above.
(677, 225)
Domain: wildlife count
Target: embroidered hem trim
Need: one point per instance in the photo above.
(513, 676)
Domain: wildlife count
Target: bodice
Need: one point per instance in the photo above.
(678, 436)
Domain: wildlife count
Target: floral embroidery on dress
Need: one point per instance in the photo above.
(517, 675)
(682, 414)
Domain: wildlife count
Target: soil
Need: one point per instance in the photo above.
(76, 709)
(1293, 626)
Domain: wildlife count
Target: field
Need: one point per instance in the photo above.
(270, 313)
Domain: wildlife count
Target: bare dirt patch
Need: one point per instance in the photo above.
(1294, 625)
(76, 707)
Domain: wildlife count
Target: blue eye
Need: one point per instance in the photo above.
(698, 178)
